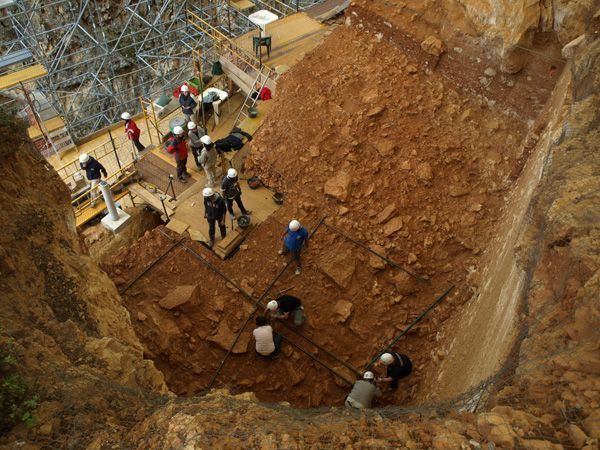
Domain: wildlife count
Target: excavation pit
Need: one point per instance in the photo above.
(414, 162)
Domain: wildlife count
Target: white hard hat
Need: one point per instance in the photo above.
(184, 88)
(191, 125)
(231, 173)
(84, 157)
(178, 130)
(208, 192)
(386, 359)
(125, 116)
(206, 140)
(272, 305)
(294, 225)
(369, 376)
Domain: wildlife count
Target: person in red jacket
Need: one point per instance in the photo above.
(132, 131)
(176, 145)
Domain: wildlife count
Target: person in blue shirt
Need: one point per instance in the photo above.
(294, 239)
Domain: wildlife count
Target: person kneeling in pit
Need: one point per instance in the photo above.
(268, 343)
(286, 306)
(363, 392)
(398, 367)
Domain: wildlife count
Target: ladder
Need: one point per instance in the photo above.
(261, 80)
(151, 119)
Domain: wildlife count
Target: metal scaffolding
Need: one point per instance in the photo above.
(101, 57)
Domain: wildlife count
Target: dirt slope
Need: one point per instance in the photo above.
(96, 390)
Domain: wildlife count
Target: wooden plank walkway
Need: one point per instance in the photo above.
(30, 73)
(151, 199)
(91, 212)
(292, 37)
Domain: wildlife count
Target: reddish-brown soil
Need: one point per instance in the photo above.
(397, 155)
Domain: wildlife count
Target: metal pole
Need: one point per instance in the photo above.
(172, 186)
(114, 148)
(229, 18)
(257, 305)
(150, 266)
(162, 201)
(110, 202)
(387, 260)
(317, 360)
(412, 324)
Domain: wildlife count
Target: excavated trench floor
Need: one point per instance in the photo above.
(430, 165)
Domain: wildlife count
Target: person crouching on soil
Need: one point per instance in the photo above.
(268, 343)
(286, 307)
(398, 366)
(363, 392)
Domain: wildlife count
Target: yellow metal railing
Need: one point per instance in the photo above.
(269, 4)
(111, 153)
(81, 203)
(226, 47)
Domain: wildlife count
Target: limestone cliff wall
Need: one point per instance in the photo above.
(514, 22)
(59, 309)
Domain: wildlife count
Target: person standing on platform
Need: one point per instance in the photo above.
(195, 133)
(132, 131)
(208, 160)
(187, 103)
(177, 146)
(294, 239)
(214, 212)
(230, 187)
(363, 392)
(398, 366)
(93, 172)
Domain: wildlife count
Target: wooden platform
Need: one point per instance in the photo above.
(155, 169)
(22, 76)
(190, 211)
(241, 5)
(142, 195)
(51, 125)
(91, 212)
(292, 37)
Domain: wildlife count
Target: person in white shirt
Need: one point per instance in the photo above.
(268, 343)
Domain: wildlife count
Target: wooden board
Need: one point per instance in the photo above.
(191, 210)
(56, 123)
(89, 213)
(22, 76)
(153, 200)
(234, 238)
(241, 5)
(197, 235)
(292, 37)
(177, 226)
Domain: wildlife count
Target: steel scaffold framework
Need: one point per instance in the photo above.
(98, 67)
(101, 58)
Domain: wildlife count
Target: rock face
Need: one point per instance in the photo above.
(514, 23)
(338, 186)
(433, 45)
(179, 296)
(424, 172)
(405, 284)
(339, 268)
(224, 338)
(343, 309)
